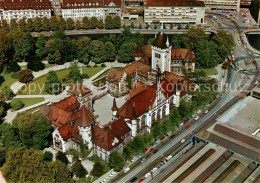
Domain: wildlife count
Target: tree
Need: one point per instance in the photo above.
(83, 46)
(100, 24)
(13, 24)
(54, 23)
(116, 22)
(9, 136)
(59, 172)
(78, 169)
(62, 157)
(138, 144)
(29, 25)
(16, 104)
(22, 24)
(8, 93)
(34, 129)
(93, 23)
(225, 43)
(116, 161)
(27, 46)
(46, 24)
(127, 153)
(97, 51)
(2, 156)
(177, 41)
(126, 52)
(110, 52)
(85, 23)
(48, 156)
(5, 25)
(132, 25)
(109, 22)
(78, 25)
(207, 55)
(97, 169)
(53, 84)
(62, 23)
(55, 58)
(179, 27)
(37, 24)
(41, 51)
(70, 24)
(25, 76)
(193, 36)
(35, 64)
(74, 72)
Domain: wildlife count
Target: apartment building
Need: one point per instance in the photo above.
(175, 11)
(77, 9)
(245, 2)
(222, 5)
(18, 9)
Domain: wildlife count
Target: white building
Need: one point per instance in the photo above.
(222, 5)
(174, 11)
(18, 9)
(77, 9)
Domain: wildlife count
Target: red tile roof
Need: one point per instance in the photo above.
(25, 4)
(57, 116)
(174, 3)
(138, 66)
(160, 41)
(66, 131)
(75, 4)
(114, 75)
(79, 89)
(105, 139)
(184, 54)
(83, 117)
(68, 104)
(119, 128)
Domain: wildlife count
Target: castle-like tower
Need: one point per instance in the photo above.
(161, 53)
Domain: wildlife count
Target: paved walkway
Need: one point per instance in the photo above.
(2, 180)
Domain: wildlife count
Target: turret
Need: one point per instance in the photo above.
(114, 108)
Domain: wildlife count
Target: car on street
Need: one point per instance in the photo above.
(222, 95)
(169, 133)
(256, 55)
(112, 174)
(155, 151)
(151, 149)
(139, 155)
(133, 179)
(158, 141)
(206, 111)
(133, 159)
(197, 117)
(143, 160)
(168, 157)
(199, 111)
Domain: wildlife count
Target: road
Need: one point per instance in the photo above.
(226, 102)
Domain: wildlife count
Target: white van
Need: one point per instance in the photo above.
(126, 170)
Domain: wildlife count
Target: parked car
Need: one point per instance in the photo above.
(163, 137)
(145, 150)
(168, 158)
(169, 133)
(126, 170)
(112, 174)
(133, 159)
(139, 155)
(222, 95)
(256, 55)
(197, 117)
(172, 136)
(151, 149)
(155, 151)
(133, 179)
(143, 160)
(158, 141)
(141, 180)
(187, 127)
(147, 175)
(154, 169)
(206, 111)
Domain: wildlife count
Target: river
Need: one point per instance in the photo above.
(254, 40)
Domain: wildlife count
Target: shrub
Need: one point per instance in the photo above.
(95, 65)
(62, 157)
(8, 93)
(88, 66)
(16, 104)
(103, 65)
(78, 169)
(47, 156)
(25, 76)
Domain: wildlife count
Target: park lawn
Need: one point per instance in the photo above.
(209, 72)
(35, 87)
(91, 71)
(31, 101)
(8, 80)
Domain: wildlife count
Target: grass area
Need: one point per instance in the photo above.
(106, 73)
(8, 80)
(91, 71)
(30, 101)
(209, 72)
(36, 87)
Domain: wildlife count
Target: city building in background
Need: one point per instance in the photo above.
(179, 12)
(77, 9)
(133, 9)
(222, 5)
(245, 3)
(18, 9)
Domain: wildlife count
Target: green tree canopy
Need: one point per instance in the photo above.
(116, 161)
(126, 52)
(97, 51)
(110, 52)
(97, 169)
(78, 169)
(53, 84)
(193, 36)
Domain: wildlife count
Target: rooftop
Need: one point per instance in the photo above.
(172, 3)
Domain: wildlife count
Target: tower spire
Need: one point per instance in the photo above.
(167, 42)
(114, 108)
